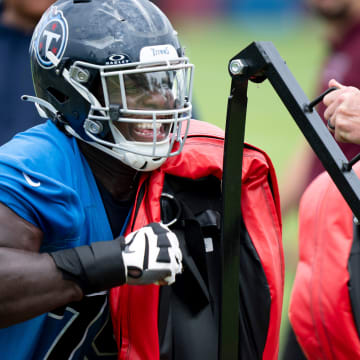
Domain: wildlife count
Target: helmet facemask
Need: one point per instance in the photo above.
(144, 109)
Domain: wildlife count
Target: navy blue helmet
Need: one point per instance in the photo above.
(113, 74)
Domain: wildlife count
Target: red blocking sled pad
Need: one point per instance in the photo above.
(321, 310)
(135, 308)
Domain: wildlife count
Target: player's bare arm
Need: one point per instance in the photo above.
(31, 284)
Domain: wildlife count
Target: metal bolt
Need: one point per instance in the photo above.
(237, 67)
(83, 75)
(94, 127)
(79, 74)
(356, 221)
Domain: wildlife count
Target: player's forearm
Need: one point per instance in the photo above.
(31, 285)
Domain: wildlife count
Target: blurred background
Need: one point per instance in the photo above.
(213, 31)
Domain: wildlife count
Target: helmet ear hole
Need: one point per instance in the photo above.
(58, 95)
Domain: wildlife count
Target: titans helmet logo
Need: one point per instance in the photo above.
(50, 38)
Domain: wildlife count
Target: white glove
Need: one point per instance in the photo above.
(151, 254)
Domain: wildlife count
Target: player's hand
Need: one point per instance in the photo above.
(343, 112)
(152, 256)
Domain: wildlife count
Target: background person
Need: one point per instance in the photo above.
(324, 302)
(17, 22)
(342, 21)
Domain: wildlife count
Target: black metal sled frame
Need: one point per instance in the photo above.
(258, 62)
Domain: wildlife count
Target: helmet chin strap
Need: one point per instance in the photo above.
(141, 162)
(136, 162)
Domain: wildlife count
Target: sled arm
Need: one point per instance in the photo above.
(262, 61)
(231, 220)
(258, 62)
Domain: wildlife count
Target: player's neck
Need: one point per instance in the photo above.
(120, 180)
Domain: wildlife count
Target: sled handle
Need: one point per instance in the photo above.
(309, 107)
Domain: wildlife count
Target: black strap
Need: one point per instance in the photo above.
(94, 267)
(165, 323)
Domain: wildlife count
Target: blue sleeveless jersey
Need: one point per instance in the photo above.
(46, 180)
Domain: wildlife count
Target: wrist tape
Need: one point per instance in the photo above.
(94, 267)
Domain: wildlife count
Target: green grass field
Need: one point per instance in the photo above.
(210, 44)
